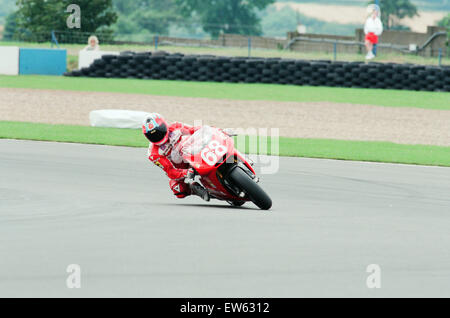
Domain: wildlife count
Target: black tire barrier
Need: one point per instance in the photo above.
(207, 68)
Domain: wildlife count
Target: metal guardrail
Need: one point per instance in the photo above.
(288, 46)
(428, 42)
(401, 48)
(65, 37)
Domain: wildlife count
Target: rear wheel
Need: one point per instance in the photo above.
(243, 181)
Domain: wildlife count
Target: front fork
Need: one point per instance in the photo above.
(225, 169)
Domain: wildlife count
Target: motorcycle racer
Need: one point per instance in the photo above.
(163, 139)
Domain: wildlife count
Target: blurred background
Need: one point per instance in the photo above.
(416, 31)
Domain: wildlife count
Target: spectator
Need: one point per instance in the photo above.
(373, 29)
(92, 44)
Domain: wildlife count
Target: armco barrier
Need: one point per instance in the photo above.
(9, 60)
(269, 70)
(42, 61)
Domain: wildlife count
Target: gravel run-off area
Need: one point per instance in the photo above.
(403, 125)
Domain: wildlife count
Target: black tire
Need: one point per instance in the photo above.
(76, 73)
(242, 180)
(236, 203)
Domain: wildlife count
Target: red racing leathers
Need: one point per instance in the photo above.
(175, 169)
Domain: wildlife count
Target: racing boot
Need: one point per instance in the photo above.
(198, 190)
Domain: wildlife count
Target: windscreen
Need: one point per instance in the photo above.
(199, 140)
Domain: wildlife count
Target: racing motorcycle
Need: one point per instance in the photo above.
(221, 168)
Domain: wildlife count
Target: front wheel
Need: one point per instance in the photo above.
(243, 181)
(236, 203)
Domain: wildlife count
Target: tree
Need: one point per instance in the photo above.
(10, 26)
(6, 7)
(225, 16)
(394, 10)
(445, 22)
(37, 18)
(151, 16)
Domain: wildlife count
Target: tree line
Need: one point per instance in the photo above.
(128, 17)
(213, 17)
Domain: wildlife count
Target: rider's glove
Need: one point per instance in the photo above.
(190, 174)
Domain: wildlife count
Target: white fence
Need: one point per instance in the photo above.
(86, 58)
(9, 60)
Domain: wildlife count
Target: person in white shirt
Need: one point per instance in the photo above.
(92, 44)
(373, 29)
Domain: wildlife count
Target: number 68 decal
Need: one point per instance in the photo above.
(213, 152)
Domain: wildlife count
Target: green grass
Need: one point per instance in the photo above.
(73, 134)
(269, 92)
(293, 147)
(73, 49)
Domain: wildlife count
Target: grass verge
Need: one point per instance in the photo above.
(268, 92)
(292, 147)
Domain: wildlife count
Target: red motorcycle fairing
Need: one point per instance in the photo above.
(207, 150)
(244, 160)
